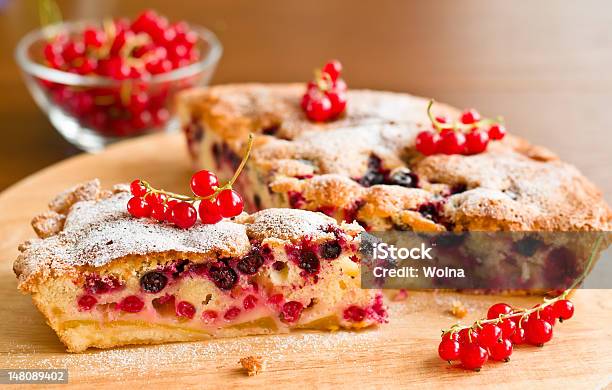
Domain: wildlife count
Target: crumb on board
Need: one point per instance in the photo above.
(253, 364)
(458, 310)
(401, 295)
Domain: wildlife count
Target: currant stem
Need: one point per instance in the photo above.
(191, 199)
(243, 162)
(524, 313)
(438, 126)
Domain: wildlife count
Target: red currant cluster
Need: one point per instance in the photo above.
(504, 327)
(215, 201)
(470, 135)
(325, 96)
(121, 51)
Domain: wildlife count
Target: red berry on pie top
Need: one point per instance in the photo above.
(427, 142)
(451, 142)
(184, 215)
(497, 132)
(137, 189)
(333, 68)
(158, 212)
(230, 203)
(155, 198)
(340, 85)
(325, 97)
(319, 108)
(476, 141)
(209, 211)
(204, 183)
(338, 101)
(470, 116)
(138, 208)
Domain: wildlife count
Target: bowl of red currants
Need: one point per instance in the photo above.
(100, 82)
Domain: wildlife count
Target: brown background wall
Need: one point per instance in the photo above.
(546, 66)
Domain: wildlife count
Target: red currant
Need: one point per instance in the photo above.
(498, 309)
(563, 309)
(158, 212)
(489, 334)
(204, 183)
(501, 350)
(333, 68)
(184, 215)
(470, 116)
(518, 337)
(209, 211)
(508, 327)
(538, 332)
(137, 188)
(249, 302)
(547, 314)
(427, 142)
(306, 97)
(451, 142)
(450, 336)
(449, 350)
(340, 85)
(155, 198)
(185, 309)
(169, 205)
(467, 335)
(230, 203)
(497, 132)
(473, 356)
(93, 37)
(476, 141)
(319, 108)
(138, 208)
(338, 101)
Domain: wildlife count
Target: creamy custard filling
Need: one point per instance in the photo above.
(305, 285)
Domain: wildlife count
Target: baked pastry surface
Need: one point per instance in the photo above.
(103, 278)
(364, 166)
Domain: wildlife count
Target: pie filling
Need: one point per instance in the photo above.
(269, 290)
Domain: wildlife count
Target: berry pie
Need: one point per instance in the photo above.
(103, 278)
(364, 165)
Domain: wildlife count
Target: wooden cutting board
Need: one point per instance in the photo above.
(402, 353)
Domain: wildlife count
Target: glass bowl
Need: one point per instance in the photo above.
(93, 111)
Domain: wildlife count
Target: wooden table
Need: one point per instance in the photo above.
(401, 353)
(544, 65)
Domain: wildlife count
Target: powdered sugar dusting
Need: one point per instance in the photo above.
(287, 224)
(97, 232)
(115, 363)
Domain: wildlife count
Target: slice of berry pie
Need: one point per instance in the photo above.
(103, 279)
